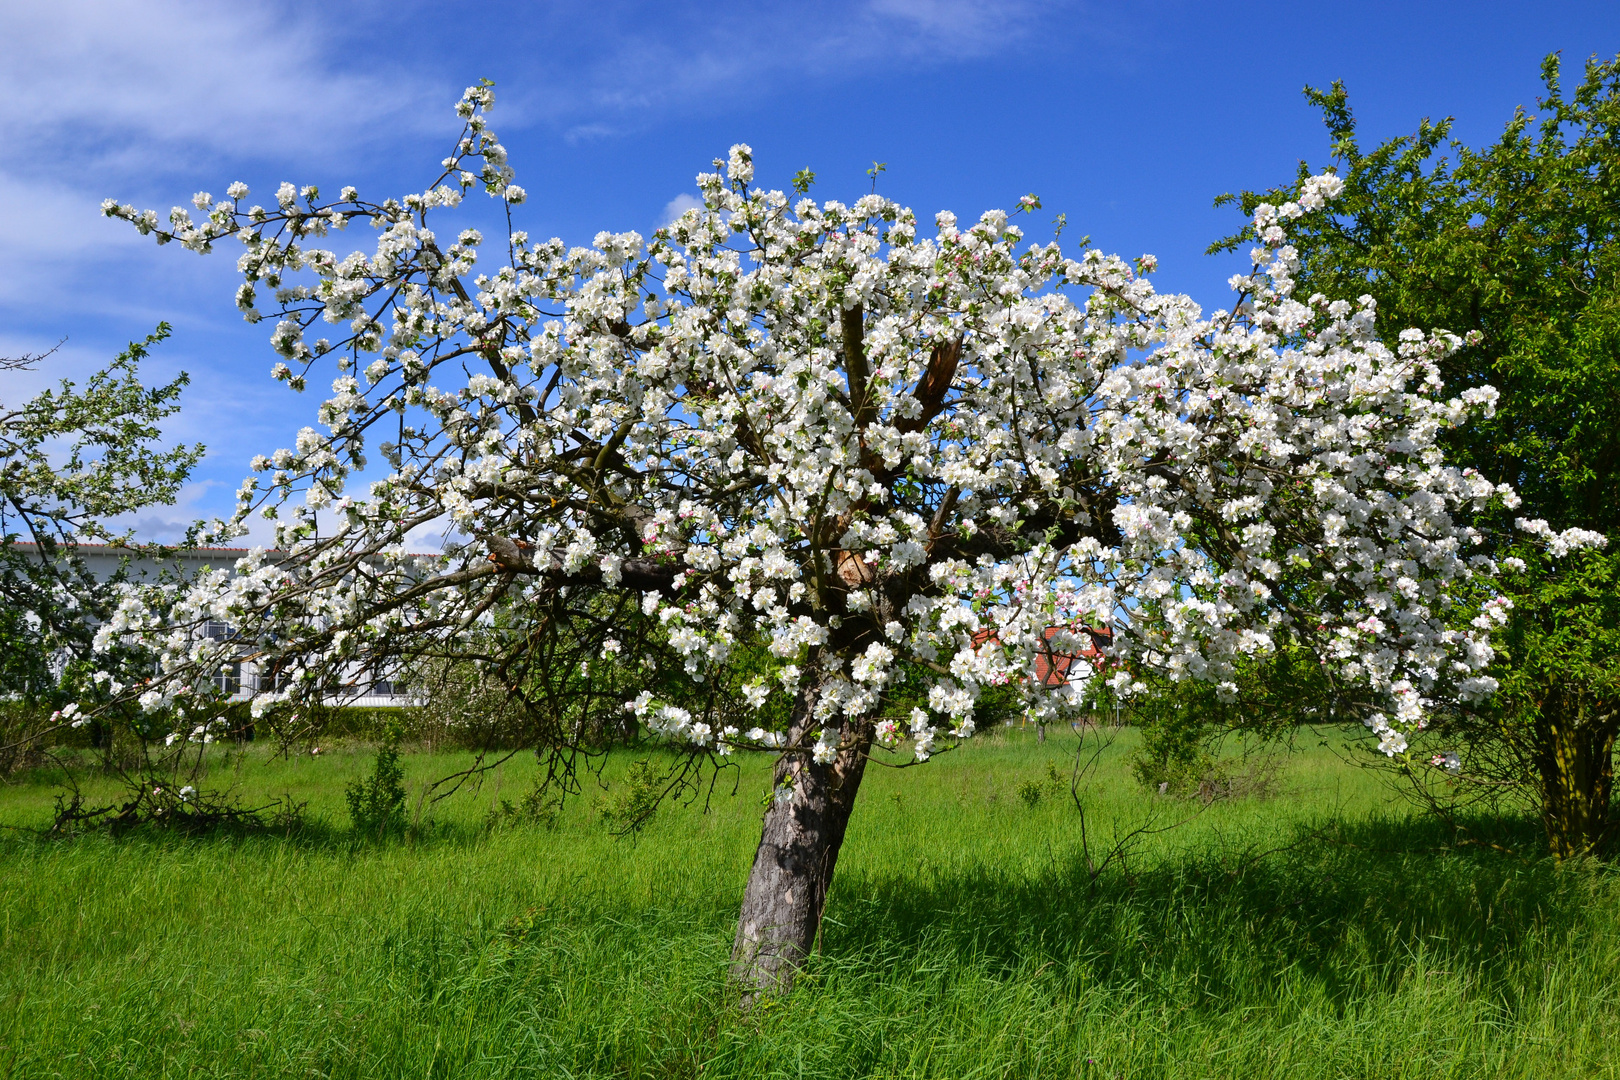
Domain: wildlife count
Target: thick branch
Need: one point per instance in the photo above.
(932, 387)
(855, 365)
(517, 557)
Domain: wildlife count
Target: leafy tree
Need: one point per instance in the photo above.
(71, 459)
(1184, 723)
(876, 462)
(1513, 244)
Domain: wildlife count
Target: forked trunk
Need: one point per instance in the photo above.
(798, 849)
(1575, 767)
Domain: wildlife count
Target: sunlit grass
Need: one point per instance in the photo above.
(1321, 932)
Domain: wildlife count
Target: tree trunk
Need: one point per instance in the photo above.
(1574, 766)
(798, 849)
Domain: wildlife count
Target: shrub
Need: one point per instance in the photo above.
(635, 806)
(539, 806)
(377, 802)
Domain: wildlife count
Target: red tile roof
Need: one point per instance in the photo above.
(1052, 667)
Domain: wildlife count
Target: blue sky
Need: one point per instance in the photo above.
(1127, 117)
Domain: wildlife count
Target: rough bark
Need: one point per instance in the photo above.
(798, 849)
(1574, 759)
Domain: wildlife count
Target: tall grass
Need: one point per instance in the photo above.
(1318, 933)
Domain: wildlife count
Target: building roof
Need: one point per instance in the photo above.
(144, 550)
(1054, 668)
(177, 551)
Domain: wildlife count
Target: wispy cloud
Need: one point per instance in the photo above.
(130, 97)
(677, 206)
(133, 97)
(123, 83)
(149, 100)
(628, 63)
(168, 524)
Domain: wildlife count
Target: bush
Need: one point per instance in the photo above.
(539, 806)
(1055, 788)
(463, 706)
(1174, 756)
(24, 736)
(313, 722)
(635, 806)
(1185, 723)
(377, 802)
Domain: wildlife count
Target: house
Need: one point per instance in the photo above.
(1053, 668)
(237, 680)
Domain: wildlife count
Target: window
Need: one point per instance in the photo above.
(228, 679)
(215, 630)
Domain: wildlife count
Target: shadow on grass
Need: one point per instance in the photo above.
(311, 834)
(1351, 908)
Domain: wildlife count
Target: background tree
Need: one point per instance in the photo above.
(71, 460)
(1185, 726)
(863, 457)
(1513, 244)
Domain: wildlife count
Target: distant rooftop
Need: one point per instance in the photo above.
(145, 548)
(178, 551)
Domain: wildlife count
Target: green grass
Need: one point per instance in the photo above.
(1322, 932)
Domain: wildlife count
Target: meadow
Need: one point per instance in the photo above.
(1322, 930)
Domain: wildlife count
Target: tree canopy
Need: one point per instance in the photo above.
(1515, 246)
(72, 459)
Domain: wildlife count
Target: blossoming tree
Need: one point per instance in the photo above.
(1518, 243)
(72, 458)
(856, 440)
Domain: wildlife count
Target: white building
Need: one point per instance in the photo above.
(238, 679)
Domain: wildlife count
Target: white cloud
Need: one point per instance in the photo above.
(677, 206)
(624, 62)
(431, 538)
(50, 218)
(132, 98)
(149, 100)
(137, 82)
(168, 524)
(50, 227)
(67, 360)
(967, 27)
(580, 133)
